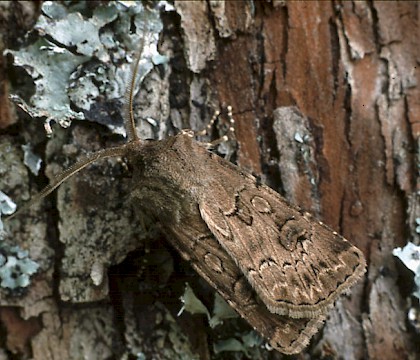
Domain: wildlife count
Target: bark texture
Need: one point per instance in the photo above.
(326, 102)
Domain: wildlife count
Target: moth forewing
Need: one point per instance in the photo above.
(212, 263)
(199, 197)
(172, 199)
(297, 265)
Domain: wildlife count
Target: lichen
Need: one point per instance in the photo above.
(410, 257)
(31, 160)
(80, 57)
(16, 267)
(248, 343)
(7, 207)
(192, 304)
(221, 311)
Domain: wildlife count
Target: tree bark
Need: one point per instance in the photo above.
(325, 99)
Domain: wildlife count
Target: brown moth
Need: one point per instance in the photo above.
(279, 268)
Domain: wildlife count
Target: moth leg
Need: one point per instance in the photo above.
(218, 141)
(206, 130)
(231, 129)
(230, 134)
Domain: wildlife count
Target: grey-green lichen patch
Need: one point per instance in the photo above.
(50, 66)
(249, 343)
(221, 311)
(81, 60)
(23, 235)
(16, 267)
(191, 303)
(7, 207)
(410, 257)
(86, 37)
(31, 160)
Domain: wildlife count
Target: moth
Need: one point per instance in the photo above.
(276, 265)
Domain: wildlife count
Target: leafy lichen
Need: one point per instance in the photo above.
(16, 267)
(248, 343)
(81, 57)
(31, 160)
(410, 257)
(7, 207)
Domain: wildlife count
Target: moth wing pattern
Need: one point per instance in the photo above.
(297, 265)
(167, 192)
(208, 258)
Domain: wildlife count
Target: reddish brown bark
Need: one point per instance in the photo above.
(351, 69)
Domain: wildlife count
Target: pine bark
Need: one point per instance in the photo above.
(349, 74)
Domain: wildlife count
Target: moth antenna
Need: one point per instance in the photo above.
(72, 170)
(102, 154)
(128, 112)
